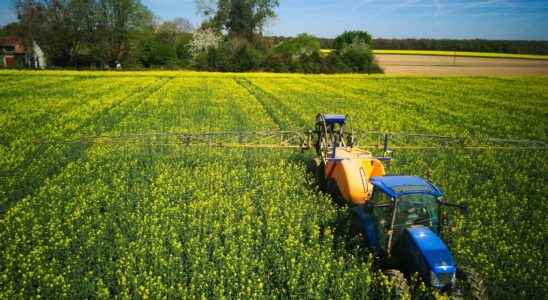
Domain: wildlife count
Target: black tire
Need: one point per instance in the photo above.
(472, 282)
(400, 287)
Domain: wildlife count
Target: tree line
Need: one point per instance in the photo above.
(97, 33)
(112, 33)
(471, 45)
(106, 33)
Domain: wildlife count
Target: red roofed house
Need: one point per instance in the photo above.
(14, 54)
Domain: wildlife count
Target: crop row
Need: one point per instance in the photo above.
(87, 220)
(165, 222)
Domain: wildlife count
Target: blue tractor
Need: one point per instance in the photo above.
(401, 224)
(397, 217)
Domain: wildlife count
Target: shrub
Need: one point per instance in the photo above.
(202, 41)
(233, 55)
(243, 55)
(349, 37)
(300, 54)
(356, 52)
(357, 56)
(333, 63)
(200, 60)
(311, 63)
(303, 44)
(277, 62)
(218, 59)
(182, 49)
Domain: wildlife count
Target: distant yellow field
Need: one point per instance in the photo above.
(456, 53)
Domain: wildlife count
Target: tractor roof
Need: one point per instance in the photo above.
(396, 186)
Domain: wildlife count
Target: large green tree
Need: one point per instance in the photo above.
(118, 19)
(239, 18)
(348, 37)
(167, 44)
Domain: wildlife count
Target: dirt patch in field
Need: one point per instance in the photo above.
(448, 65)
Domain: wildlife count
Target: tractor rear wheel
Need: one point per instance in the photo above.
(473, 285)
(400, 287)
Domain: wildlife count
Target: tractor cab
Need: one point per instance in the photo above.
(401, 225)
(414, 201)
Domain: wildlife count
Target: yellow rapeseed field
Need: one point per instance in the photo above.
(143, 220)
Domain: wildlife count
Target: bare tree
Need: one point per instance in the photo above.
(183, 25)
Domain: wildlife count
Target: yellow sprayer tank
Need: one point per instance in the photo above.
(351, 169)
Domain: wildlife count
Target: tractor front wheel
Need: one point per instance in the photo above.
(474, 287)
(400, 287)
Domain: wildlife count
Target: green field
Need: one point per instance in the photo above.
(86, 220)
(457, 53)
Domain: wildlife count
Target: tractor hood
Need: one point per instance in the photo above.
(433, 250)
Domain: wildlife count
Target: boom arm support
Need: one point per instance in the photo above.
(301, 139)
(251, 139)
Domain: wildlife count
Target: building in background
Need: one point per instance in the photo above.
(38, 59)
(14, 54)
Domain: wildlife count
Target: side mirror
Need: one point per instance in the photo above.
(463, 206)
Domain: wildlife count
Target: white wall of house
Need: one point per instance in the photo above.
(39, 57)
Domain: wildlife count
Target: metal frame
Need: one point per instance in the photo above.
(250, 139)
(303, 139)
(292, 139)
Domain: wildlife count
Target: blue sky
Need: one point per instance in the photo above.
(492, 19)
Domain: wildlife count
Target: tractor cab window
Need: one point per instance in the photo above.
(382, 212)
(416, 209)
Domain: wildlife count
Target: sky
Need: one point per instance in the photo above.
(461, 19)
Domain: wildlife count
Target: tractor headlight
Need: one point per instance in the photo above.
(442, 279)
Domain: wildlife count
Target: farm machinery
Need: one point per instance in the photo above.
(398, 217)
(401, 219)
